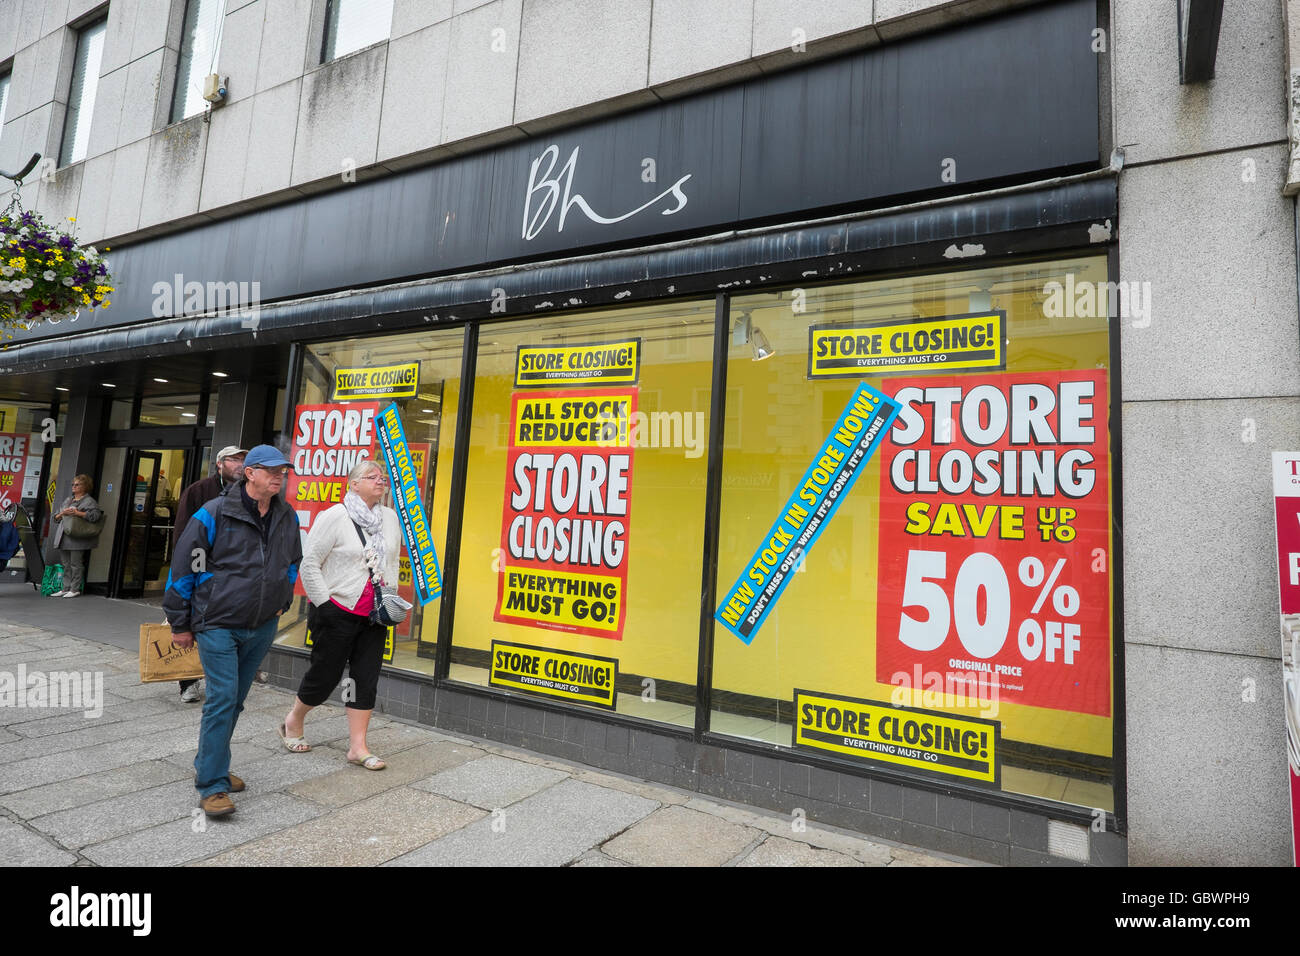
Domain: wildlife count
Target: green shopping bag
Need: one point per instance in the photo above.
(53, 580)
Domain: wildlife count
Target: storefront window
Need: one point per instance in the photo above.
(345, 389)
(937, 600)
(22, 447)
(582, 538)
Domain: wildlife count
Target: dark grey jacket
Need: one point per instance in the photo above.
(224, 575)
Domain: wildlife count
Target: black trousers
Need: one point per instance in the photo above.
(340, 638)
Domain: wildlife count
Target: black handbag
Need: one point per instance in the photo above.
(389, 608)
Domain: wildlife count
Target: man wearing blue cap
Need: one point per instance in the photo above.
(241, 552)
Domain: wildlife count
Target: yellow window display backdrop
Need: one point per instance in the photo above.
(585, 487)
(946, 607)
(345, 388)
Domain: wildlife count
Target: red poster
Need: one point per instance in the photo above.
(13, 465)
(564, 528)
(994, 536)
(327, 441)
(1286, 502)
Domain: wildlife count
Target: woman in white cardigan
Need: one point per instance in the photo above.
(336, 575)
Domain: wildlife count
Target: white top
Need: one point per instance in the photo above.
(333, 565)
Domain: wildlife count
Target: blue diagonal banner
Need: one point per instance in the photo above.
(854, 438)
(409, 505)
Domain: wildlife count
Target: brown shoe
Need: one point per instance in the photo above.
(236, 784)
(217, 805)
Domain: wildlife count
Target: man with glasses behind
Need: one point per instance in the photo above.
(241, 552)
(230, 465)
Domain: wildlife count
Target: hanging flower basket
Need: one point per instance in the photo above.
(45, 276)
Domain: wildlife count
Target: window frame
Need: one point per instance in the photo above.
(329, 8)
(180, 84)
(67, 141)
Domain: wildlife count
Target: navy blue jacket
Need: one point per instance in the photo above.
(224, 575)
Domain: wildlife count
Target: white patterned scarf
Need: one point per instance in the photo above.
(371, 521)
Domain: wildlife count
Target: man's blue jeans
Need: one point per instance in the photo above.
(231, 657)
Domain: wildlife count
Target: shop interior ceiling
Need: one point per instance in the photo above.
(181, 374)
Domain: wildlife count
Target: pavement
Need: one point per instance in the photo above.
(116, 788)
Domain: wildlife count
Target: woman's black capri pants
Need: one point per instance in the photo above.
(339, 638)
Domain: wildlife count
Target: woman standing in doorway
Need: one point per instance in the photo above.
(73, 549)
(347, 546)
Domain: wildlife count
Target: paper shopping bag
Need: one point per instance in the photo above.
(161, 660)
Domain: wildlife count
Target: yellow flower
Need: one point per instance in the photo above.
(19, 263)
(85, 298)
(72, 219)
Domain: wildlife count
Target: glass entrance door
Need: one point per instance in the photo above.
(150, 488)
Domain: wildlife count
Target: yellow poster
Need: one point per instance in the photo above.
(604, 363)
(376, 382)
(950, 343)
(965, 747)
(562, 674)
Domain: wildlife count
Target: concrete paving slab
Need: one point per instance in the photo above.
(679, 836)
(105, 819)
(851, 844)
(129, 686)
(88, 789)
(22, 847)
(281, 770)
(352, 783)
(90, 617)
(196, 837)
(127, 710)
(121, 787)
(93, 733)
(77, 763)
(642, 788)
(318, 733)
(241, 754)
(549, 829)
(383, 741)
(14, 649)
(254, 726)
(596, 858)
(492, 781)
(363, 834)
(904, 857)
(778, 851)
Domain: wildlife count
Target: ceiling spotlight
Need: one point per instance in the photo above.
(59, 388)
(762, 347)
(220, 374)
(108, 384)
(163, 380)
